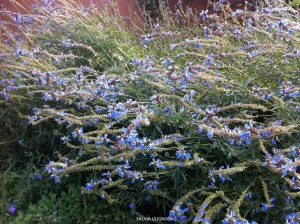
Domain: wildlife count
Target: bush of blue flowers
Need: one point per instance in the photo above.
(196, 119)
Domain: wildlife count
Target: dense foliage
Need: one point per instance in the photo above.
(195, 121)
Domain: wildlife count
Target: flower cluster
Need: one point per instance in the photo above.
(178, 213)
(292, 218)
(285, 162)
(231, 218)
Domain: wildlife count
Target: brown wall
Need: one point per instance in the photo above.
(194, 4)
(202, 4)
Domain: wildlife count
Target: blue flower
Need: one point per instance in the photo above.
(249, 196)
(244, 135)
(120, 171)
(206, 32)
(121, 142)
(196, 219)
(36, 176)
(157, 163)
(294, 94)
(273, 141)
(198, 45)
(231, 141)
(88, 187)
(116, 115)
(102, 196)
(17, 53)
(146, 40)
(266, 134)
(197, 160)
(127, 165)
(12, 209)
(210, 134)
(292, 218)
(225, 221)
(152, 184)
(222, 178)
(172, 213)
(200, 130)
(206, 221)
(248, 141)
(182, 154)
(265, 207)
(131, 205)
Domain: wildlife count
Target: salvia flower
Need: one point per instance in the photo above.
(12, 209)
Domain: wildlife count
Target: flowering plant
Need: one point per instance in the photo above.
(203, 124)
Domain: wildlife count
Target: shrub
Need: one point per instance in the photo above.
(66, 204)
(26, 148)
(202, 125)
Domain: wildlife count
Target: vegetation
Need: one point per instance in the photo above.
(195, 120)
